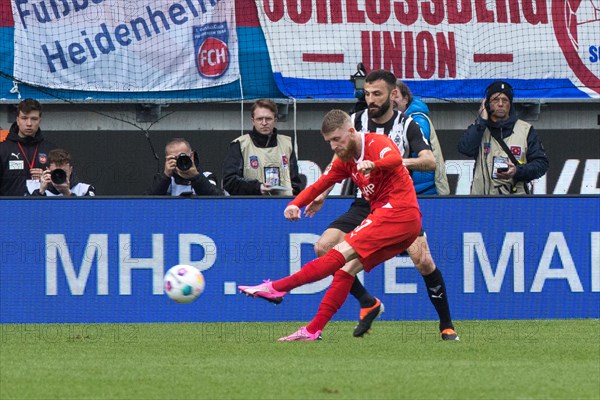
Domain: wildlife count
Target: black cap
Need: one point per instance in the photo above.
(499, 87)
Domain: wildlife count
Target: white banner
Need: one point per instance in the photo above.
(125, 45)
(436, 40)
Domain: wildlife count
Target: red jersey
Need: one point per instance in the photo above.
(389, 185)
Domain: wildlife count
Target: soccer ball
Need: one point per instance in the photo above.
(184, 283)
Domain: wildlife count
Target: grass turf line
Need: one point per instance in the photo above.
(540, 359)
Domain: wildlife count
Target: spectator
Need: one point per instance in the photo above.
(262, 162)
(181, 176)
(426, 182)
(59, 179)
(508, 152)
(24, 154)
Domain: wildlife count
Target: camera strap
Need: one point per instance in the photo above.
(510, 155)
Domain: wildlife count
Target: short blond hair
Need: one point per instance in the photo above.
(335, 119)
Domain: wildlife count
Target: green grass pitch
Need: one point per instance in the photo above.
(540, 359)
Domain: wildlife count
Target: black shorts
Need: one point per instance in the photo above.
(359, 210)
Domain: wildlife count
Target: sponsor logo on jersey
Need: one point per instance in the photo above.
(16, 164)
(368, 190)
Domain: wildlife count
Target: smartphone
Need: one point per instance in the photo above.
(500, 165)
(487, 107)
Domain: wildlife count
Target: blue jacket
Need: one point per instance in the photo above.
(424, 181)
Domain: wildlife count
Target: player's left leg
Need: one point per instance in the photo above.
(434, 281)
(313, 271)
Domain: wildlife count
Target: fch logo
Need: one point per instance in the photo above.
(254, 162)
(212, 51)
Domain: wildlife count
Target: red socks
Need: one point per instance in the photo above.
(313, 271)
(332, 301)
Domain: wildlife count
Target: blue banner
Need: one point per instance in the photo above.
(103, 260)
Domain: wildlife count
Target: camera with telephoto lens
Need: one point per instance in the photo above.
(184, 162)
(58, 176)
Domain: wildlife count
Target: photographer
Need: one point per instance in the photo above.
(181, 176)
(58, 179)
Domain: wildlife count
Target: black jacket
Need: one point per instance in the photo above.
(537, 161)
(200, 184)
(233, 167)
(14, 165)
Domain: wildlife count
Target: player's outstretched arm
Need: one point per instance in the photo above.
(292, 213)
(316, 205)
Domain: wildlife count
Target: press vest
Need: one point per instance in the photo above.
(483, 183)
(256, 159)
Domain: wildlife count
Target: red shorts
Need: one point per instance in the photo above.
(384, 234)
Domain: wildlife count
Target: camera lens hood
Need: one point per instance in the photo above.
(58, 176)
(184, 162)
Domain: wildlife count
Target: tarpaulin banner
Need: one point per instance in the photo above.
(125, 46)
(547, 48)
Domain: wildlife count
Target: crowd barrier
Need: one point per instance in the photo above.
(102, 260)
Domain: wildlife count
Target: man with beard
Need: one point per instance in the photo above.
(380, 117)
(374, 164)
(498, 171)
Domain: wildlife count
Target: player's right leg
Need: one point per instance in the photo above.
(370, 306)
(334, 297)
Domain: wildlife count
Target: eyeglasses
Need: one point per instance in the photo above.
(497, 100)
(264, 119)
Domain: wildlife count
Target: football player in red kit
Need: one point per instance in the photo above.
(374, 163)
